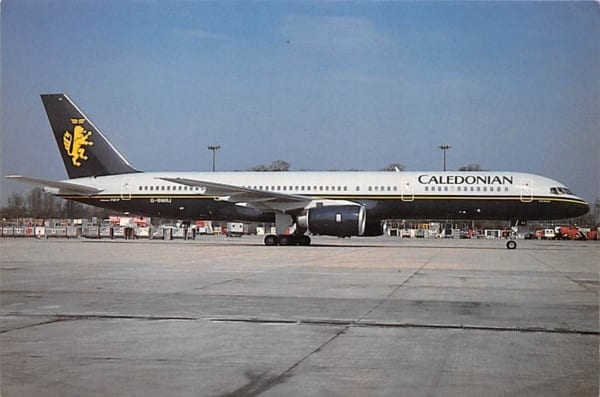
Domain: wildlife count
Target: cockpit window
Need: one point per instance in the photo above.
(560, 190)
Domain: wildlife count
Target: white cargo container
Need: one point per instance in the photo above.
(234, 229)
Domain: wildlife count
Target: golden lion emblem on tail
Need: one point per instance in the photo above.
(76, 141)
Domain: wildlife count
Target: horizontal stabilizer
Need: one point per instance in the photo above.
(64, 187)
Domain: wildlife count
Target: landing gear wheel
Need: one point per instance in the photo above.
(304, 240)
(271, 239)
(511, 244)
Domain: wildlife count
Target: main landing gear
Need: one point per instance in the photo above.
(284, 239)
(282, 223)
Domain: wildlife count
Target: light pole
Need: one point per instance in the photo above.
(214, 150)
(444, 148)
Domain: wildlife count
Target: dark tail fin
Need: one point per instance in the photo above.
(84, 149)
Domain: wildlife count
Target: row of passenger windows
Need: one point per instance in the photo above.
(168, 188)
(465, 188)
(321, 188)
(303, 188)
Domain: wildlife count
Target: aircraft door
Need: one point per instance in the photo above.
(407, 191)
(126, 189)
(526, 190)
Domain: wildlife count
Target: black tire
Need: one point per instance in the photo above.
(271, 239)
(304, 240)
(511, 244)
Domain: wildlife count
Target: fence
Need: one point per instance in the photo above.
(98, 232)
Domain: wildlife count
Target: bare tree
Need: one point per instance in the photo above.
(37, 204)
(276, 165)
(16, 206)
(471, 167)
(394, 167)
(35, 199)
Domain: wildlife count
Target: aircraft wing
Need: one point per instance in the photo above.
(64, 187)
(247, 197)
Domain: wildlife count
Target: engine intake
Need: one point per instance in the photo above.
(336, 220)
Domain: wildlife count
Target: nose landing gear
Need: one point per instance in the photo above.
(511, 244)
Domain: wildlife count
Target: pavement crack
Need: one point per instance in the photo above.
(345, 327)
(257, 384)
(393, 291)
(344, 324)
(54, 320)
(71, 317)
(222, 282)
(376, 324)
(583, 284)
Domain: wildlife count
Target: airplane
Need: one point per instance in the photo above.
(340, 204)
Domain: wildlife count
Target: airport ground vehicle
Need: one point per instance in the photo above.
(234, 229)
(570, 233)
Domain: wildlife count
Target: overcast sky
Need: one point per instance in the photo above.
(322, 85)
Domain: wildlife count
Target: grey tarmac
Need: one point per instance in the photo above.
(348, 317)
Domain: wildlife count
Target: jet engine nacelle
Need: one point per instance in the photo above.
(335, 220)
